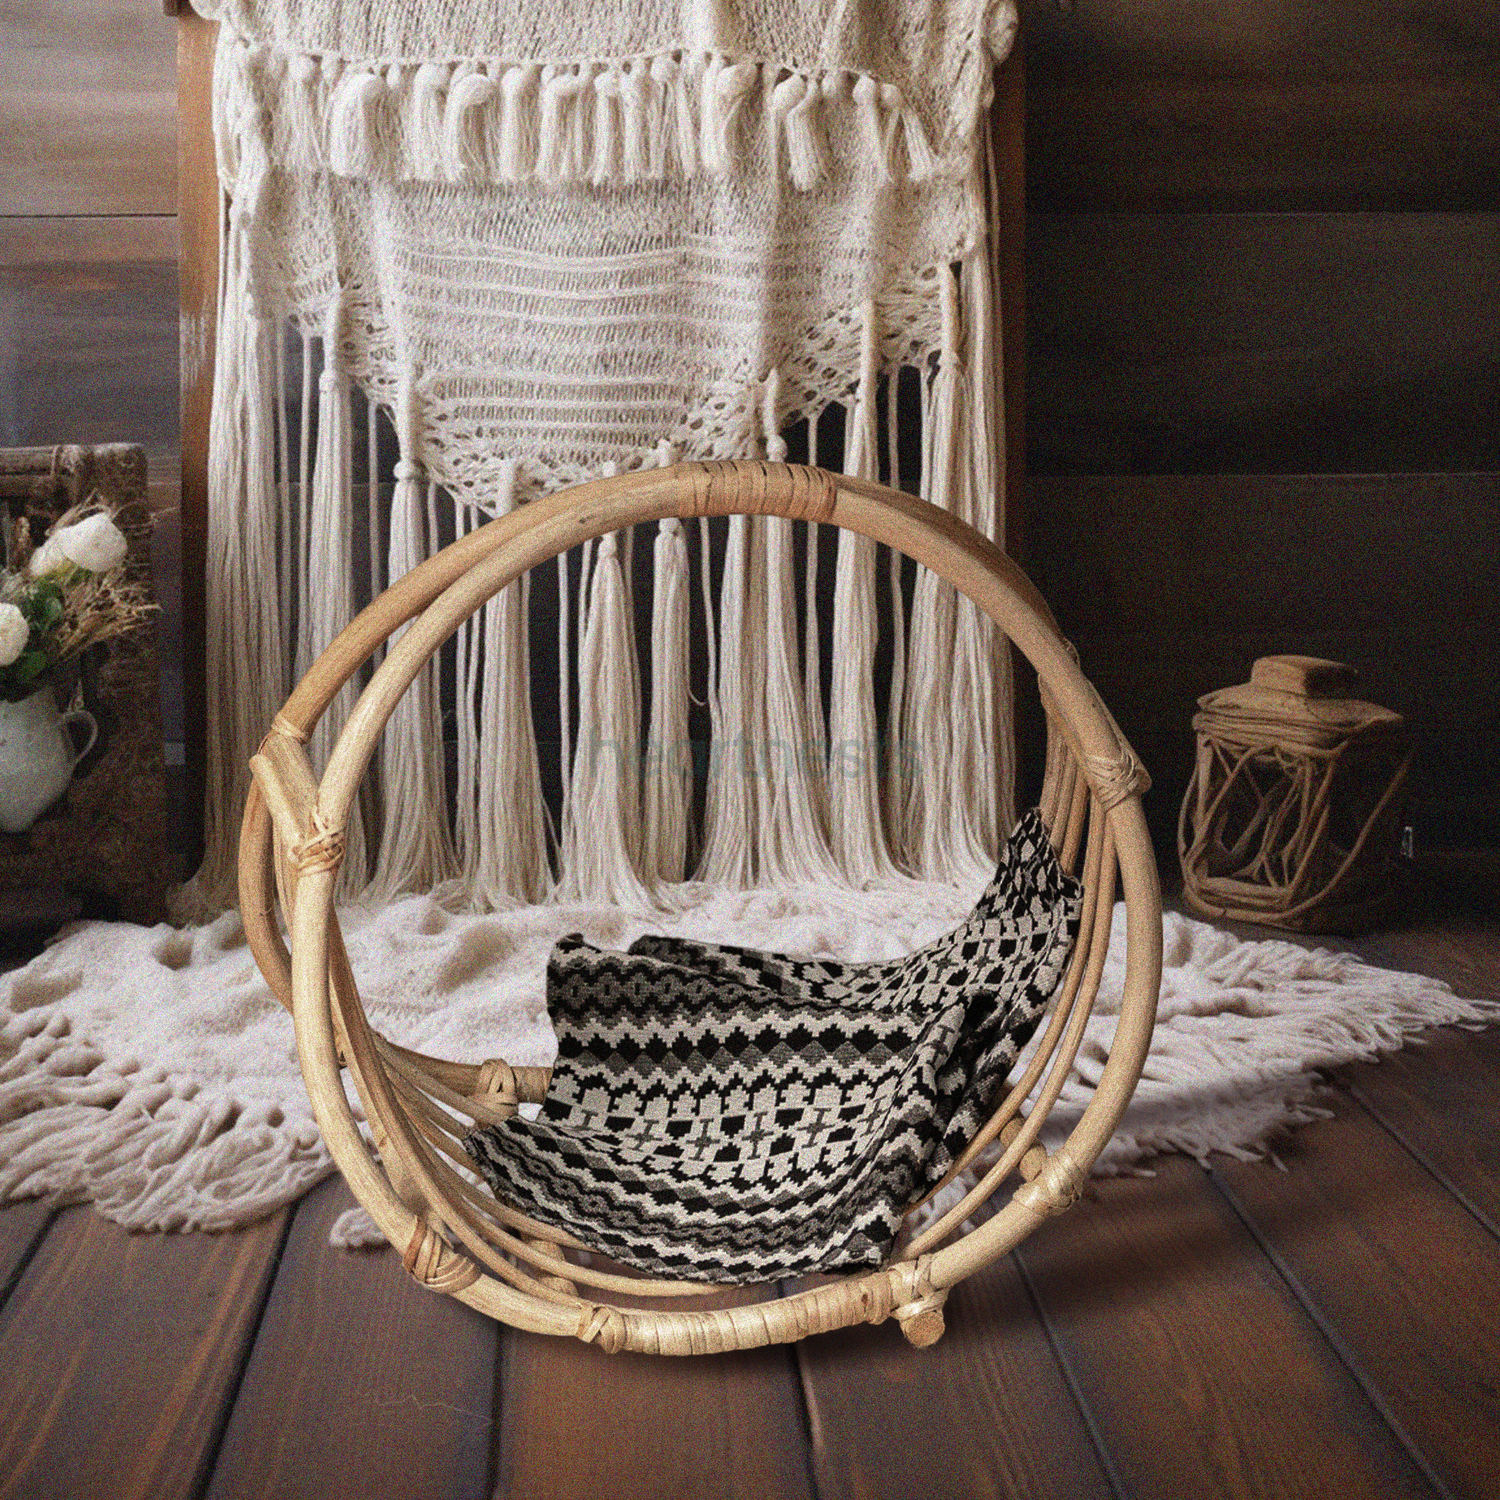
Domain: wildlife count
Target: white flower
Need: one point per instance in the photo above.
(46, 559)
(14, 633)
(94, 544)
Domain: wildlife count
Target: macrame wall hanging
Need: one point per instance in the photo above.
(475, 252)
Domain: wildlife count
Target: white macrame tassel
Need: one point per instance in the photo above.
(792, 834)
(602, 840)
(668, 776)
(284, 575)
(731, 804)
(425, 116)
(812, 647)
(636, 151)
(306, 112)
(897, 764)
(806, 139)
(295, 557)
(782, 99)
(711, 675)
(685, 76)
(855, 822)
(559, 158)
(519, 115)
(510, 855)
(465, 132)
(982, 674)
(416, 849)
(726, 89)
(330, 596)
(467, 651)
(921, 160)
(606, 165)
(357, 138)
(247, 666)
(878, 126)
(661, 119)
(936, 829)
(232, 101)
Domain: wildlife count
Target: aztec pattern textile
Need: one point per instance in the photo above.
(718, 1113)
(472, 252)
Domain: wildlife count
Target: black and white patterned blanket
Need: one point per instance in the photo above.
(724, 1114)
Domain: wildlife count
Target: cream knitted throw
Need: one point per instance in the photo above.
(149, 1071)
(548, 242)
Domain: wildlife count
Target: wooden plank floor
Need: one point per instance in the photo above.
(1332, 1329)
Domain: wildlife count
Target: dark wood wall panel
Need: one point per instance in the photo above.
(1262, 104)
(1171, 586)
(88, 108)
(1222, 343)
(88, 333)
(89, 354)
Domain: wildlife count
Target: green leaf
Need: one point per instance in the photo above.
(30, 666)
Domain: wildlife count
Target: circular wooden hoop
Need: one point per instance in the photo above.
(286, 810)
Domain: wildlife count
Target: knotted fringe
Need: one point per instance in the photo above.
(330, 603)
(671, 115)
(855, 822)
(601, 844)
(416, 850)
(150, 1150)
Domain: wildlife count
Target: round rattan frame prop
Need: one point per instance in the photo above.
(456, 1237)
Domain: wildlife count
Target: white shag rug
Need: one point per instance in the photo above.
(149, 1071)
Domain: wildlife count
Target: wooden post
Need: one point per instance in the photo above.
(1008, 141)
(198, 212)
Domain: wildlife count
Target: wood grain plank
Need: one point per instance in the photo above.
(360, 1382)
(21, 1227)
(119, 1353)
(1254, 343)
(88, 109)
(1408, 1281)
(578, 1424)
(1172, 585)
(983, 1412)
(1202, 1374)
(1457, 948)
(32, 240)
(1262, 104)
(1440, 1100)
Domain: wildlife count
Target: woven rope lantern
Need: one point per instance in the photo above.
(1293, 813)
(458, 1238)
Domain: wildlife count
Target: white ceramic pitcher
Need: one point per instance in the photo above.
(37, 756)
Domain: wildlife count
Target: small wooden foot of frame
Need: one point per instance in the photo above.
(922, 1321)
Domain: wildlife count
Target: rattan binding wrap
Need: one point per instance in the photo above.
(457, 1238)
